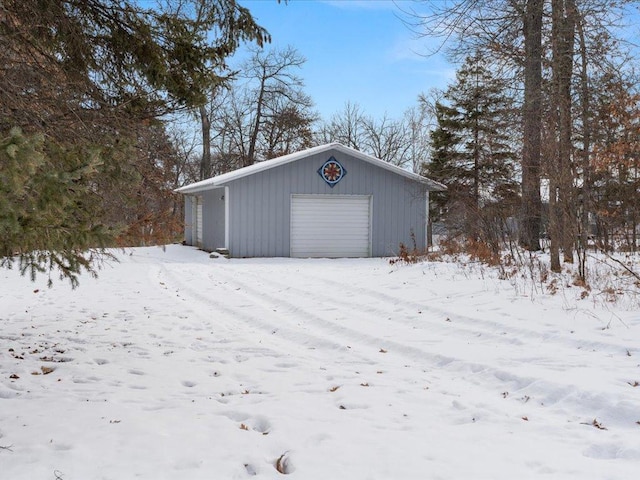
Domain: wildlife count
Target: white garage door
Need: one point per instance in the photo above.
(330, 225)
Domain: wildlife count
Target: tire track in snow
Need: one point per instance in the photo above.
(561, 339)
(268, 311)
(403, 314)
(551, 391)
(393, 309)
(325, 335)
(320, 327)
(232, 312)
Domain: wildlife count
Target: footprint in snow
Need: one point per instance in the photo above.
(61, 446)
(260, 424)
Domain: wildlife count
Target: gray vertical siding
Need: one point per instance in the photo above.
(188, 221)
(259, 207)
(213, 218)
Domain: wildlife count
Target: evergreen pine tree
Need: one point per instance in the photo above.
(473, 151)
(445, 142)
(83, 86)
(47, 207)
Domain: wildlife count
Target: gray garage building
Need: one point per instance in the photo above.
(327, 201)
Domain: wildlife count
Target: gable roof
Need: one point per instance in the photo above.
(221, 180)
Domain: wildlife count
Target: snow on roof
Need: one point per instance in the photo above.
(225, 178)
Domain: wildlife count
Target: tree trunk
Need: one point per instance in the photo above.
(205, 163)
(250, 160)
(476, 176)
(567, 193)
(556, 156)
(586, 153)
(532, 121)
(554, 227)
(561, 215)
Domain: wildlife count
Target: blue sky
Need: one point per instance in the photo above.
(356, 50)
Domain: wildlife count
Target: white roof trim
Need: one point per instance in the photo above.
(221, 180)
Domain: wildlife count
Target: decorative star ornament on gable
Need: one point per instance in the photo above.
(332, 172)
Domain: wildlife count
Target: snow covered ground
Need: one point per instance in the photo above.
(173, 365)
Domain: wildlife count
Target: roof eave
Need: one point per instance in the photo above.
(431, 184)
(222, 180)
(434, 186)
(197, 188)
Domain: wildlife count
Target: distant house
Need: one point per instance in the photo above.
(327, 201)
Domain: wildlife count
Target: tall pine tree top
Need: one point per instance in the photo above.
(473, 147)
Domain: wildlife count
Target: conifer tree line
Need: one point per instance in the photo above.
(107, 106)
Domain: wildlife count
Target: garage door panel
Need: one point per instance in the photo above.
(330, 226)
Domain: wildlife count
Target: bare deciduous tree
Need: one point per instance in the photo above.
(402, 142)
(419, 122)
(386, 139)
(345, 127)
(262, 112)
(274, 74)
